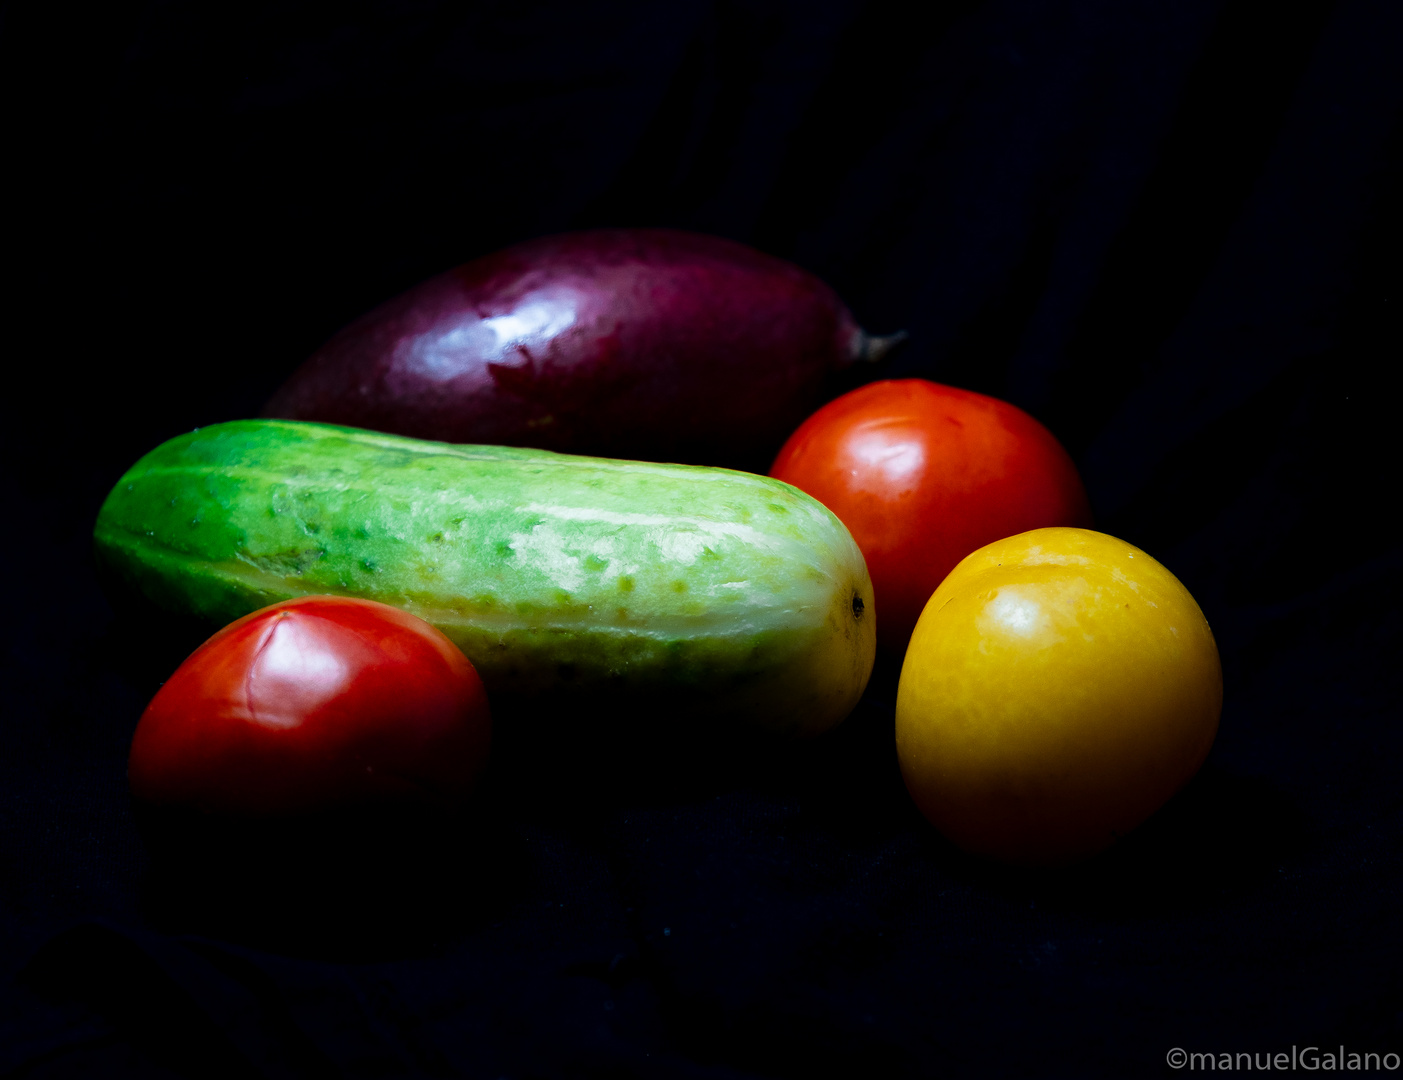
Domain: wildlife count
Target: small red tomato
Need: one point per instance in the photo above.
(923, 474)
(311, 704)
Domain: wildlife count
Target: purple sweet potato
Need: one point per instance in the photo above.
(635, 343)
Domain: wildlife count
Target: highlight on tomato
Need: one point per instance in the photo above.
(311, 704)
(923, 474)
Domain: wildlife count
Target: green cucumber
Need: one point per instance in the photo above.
(629, 585)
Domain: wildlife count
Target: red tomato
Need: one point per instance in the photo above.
(923, 474)
(310, 704)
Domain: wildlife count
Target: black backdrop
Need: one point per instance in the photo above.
(1168, 229)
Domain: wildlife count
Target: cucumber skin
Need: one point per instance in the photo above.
(639, 587)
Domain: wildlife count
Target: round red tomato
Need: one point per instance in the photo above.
(923, 474)
(310, 704)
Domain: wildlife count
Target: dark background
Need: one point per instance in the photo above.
(1170, 230)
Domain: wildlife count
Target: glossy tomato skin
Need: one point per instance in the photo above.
(922, 474)
(311, 704)
(1060, 686)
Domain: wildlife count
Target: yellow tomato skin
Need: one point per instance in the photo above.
(1060, 685)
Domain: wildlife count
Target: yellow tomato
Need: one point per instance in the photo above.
(1060, 685)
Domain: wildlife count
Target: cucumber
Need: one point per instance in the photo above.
(641, 588)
